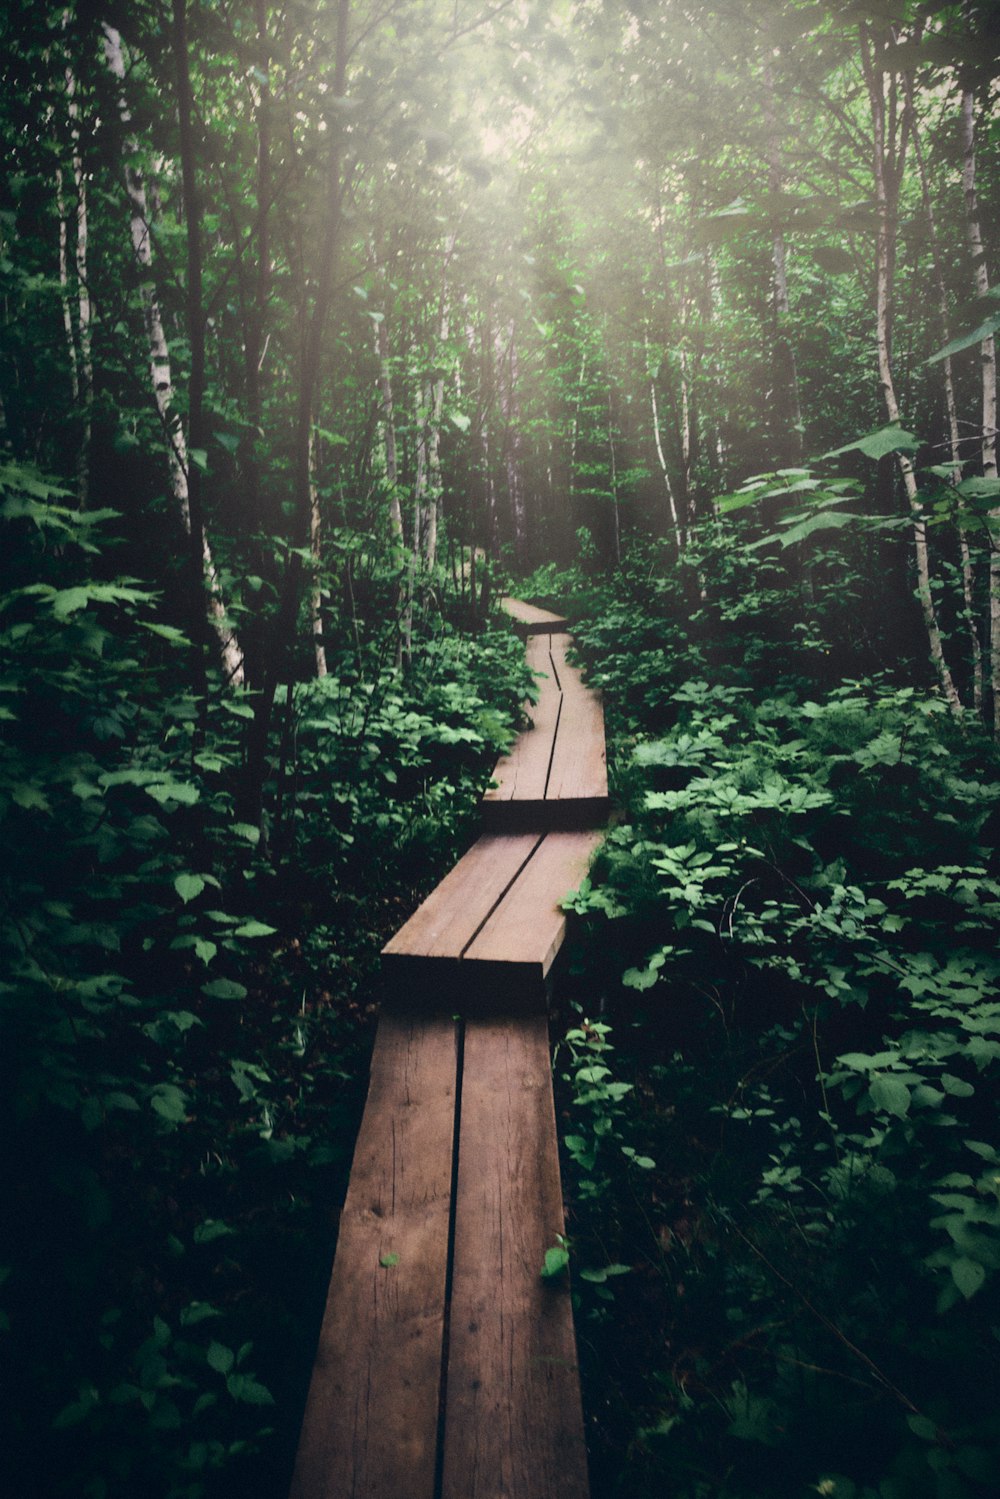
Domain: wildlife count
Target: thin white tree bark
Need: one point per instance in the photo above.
(85, 392)
(315, 546)
(988, 362)
(951, 403)
(887, 171)
(160, 372)
(657, 438)
(389, 429)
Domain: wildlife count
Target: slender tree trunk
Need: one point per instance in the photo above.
(389, 431)
(888, 159)
(255, 285)
(71, 354)
(83, 369)
(951, 404)
(785, 373)
(278, 655)
(616, 533)
(316, 594)
(658, 440)
(160, 375)
(988, 362)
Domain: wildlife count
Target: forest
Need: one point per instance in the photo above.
(323, 325)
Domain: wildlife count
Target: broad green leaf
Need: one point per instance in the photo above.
(986, 329)
(556, 1260)
(892, 1095)
(189, 886)
(220, 1358)
(827, 520)
(244, 1387)
(224, 989)
(254, 929)
(875, 445)
(211, 1229)
(968, 1275)
(387, 1261)
(170, 1103)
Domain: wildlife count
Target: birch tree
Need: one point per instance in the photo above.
(161, 379)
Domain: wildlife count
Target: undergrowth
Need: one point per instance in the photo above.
(778, 1096)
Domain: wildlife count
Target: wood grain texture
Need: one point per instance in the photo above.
(522, 774)
(513, 1423)
(528, 618)
(443, 926)
(527, 928)
(371, 1422)
(579, 762)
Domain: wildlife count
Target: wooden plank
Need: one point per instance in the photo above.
(446, 922)
(522, 774)
(579, 762)
(513, 1422)
(370, 1429)
(527, 928)
(528, 618)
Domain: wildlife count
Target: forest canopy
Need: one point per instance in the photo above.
(322, 325)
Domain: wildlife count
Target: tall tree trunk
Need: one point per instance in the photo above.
(389, 430)
(658, 440)
(278, 655)
(255, 286)
(316, 593)
(162, 383)
(951, 404)
(82, 367)
(784, 368)
(988, 362)
(888, 160)
(616, 529)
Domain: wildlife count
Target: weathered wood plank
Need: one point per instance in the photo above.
(513, 1423)
(527, 928)
(371, 1422)
(444, 925)
(522, 774)
(579, 763)
(529, 619)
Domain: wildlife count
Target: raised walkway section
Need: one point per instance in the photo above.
(446, 1366)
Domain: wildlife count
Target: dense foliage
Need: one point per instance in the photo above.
(780, 1094)
(318, 323)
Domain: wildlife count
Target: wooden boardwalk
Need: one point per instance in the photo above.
(446, 1366)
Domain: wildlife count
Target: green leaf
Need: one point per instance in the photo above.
(255, 929)
(880, 444)
(892, 1095)
(224, 989)
(211, 1229)
(220, 1358)
(827, 520)
(188, 886)
(556, 1260)
(968, 1276)
(244, 1387)
(978, 335)
(30, 798)
(387, 1261)
(170, 1103)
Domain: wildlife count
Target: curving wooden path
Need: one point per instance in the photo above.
(446, 1366)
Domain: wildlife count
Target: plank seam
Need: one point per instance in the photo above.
(503, 894)
(449, 1273)
(552, 750)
